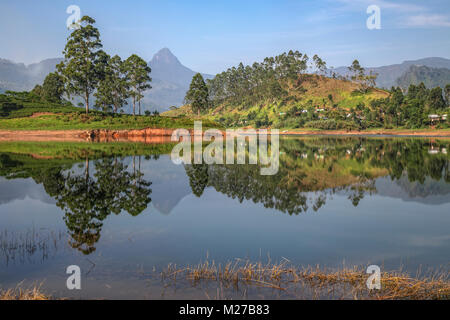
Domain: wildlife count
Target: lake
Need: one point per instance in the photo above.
(124, 211)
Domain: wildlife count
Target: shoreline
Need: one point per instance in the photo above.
(151, 135)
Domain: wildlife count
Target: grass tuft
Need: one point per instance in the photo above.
(311, 282)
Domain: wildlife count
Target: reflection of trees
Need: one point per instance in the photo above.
(88, 201)
(198, 177)
(311, 170)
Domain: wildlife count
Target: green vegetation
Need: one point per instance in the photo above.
(25, 104)
(276, 93)
(84, 63)
(197, 95)
(88, 69)
(92, 121)
(32, 153)
(137, 75)
(279, 93)
(112, 91)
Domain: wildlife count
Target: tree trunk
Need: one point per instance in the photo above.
(86, 99)
(86, 170)
(134, 106)
(139, 106)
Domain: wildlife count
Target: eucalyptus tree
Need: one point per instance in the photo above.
(320, 65)
(197, 95)
(358, 74)
(84, 61)
(138, 75)
(447, 93)
(113, 89)
(53, 87)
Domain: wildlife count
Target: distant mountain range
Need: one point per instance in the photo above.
(388, 76)
(19, 77)
(170, 79)
(431, 77)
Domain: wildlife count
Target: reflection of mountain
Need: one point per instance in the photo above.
(311, 169)
(430, 192)
(19, 189)
(169, 183)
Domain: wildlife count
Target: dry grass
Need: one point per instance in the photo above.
(19, 293)
(311, 282)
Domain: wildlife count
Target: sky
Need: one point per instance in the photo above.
(211, 36)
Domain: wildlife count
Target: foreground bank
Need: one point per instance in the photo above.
(161, 135)
(293, 282)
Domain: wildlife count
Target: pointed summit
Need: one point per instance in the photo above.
(165, 66)
(165, 56)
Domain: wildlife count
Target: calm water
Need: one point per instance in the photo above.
(124, 216)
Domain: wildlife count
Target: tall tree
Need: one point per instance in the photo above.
(53, 87)
(113, 89)
(84, 61)
(197, 95)
(321, 65)
(435, 99)
(447, 93)
(358, 74)
(138, 74)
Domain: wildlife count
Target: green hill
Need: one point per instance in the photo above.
(311, 98)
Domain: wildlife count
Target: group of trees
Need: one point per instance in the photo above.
(88, 70)
(410, 109)
(358, 74)
(52, 88)
(249, 84)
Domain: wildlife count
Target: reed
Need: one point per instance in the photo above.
(19, 293)
(311, 282)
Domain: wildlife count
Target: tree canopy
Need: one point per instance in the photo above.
(138, 75)
(197, 95)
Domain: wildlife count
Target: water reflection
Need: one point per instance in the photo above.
(312, 170)
(88, 199)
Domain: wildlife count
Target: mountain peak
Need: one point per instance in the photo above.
(165, 56)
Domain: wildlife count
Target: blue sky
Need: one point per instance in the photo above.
(210, 36)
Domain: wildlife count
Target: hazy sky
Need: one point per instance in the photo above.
(210, 36)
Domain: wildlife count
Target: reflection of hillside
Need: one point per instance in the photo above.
(325, 166)
(430, 192)
(311, 169)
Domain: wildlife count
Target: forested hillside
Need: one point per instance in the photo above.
(431, 77)
(293, 91)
